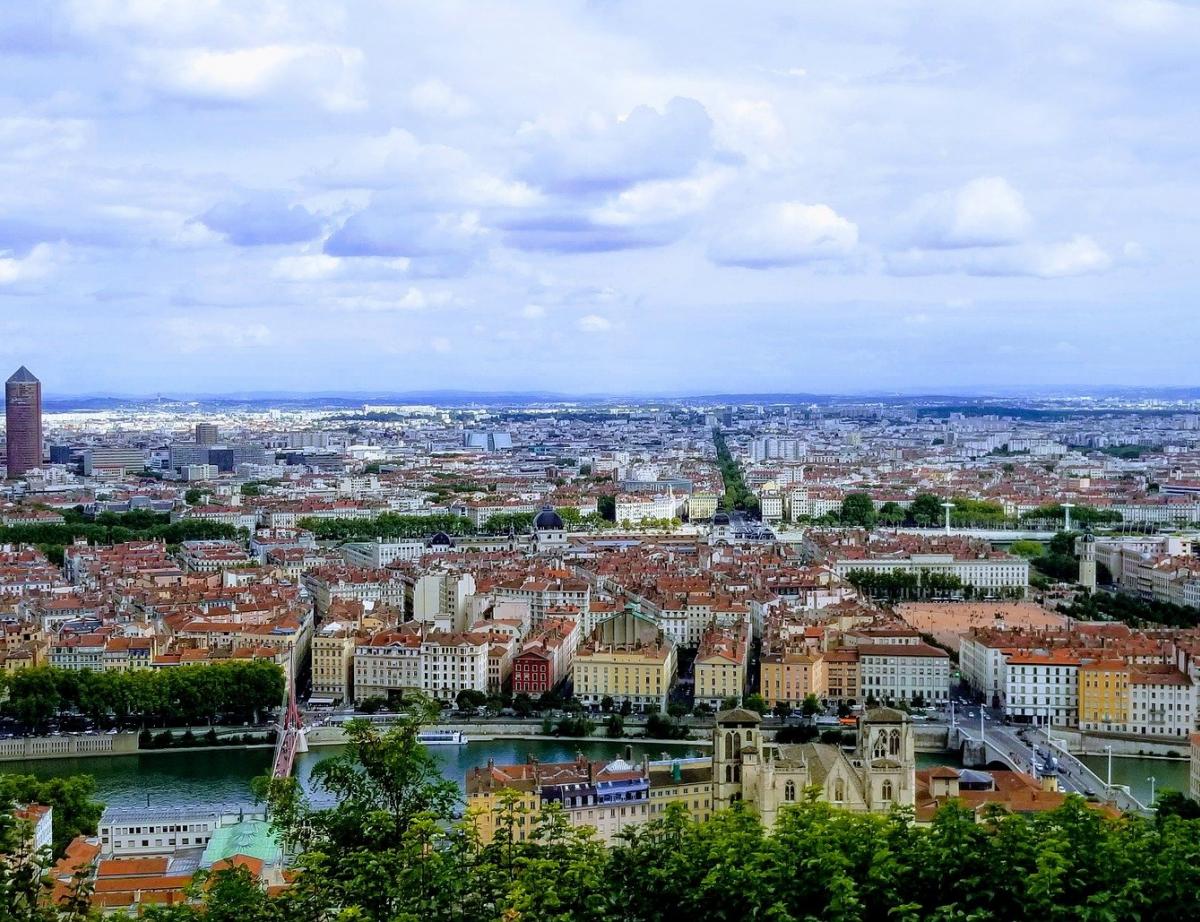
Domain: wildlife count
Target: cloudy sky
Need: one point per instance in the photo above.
(606, 196)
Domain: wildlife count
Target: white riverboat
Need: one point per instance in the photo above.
(442, 737)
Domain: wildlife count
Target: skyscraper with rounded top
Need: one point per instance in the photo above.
(23, 421)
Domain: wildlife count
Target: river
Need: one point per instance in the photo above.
(222, 776)
(1136, 773)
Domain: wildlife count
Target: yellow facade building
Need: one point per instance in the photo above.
(333, 662)
(721, 662)
(1104, 696)
(687, 782)
(841, 675)
(789, 678)
(627, 658)
(640, 674)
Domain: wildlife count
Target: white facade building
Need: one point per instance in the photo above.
(904, 671)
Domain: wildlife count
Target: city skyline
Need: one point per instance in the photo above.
(585, 197)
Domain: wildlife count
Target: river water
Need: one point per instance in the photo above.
(222, 777)
(1136, 773)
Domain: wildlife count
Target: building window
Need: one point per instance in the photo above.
(885, 791)
(880, 749)
(789, 791)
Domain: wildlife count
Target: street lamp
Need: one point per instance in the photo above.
(1151, 779)
(1108, 749)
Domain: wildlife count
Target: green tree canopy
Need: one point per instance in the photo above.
(857, 509)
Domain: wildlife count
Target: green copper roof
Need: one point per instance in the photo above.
(247, 837)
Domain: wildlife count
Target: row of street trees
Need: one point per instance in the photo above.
(390, 525)
(926, 511)
(737, 495)
(914, 585)
(181, 695)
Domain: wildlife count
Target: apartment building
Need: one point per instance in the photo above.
(721, 664)
(1104, 696)
(842, 681)
(1162, 702)
(608, 797)
(333, 662)
(387, 662)
(790, 676)
(326, 584)
(546, 657)
(452, 662)
(544, 594)
(441, 597)
(1043, 687)
(904, 672)
(628, 658)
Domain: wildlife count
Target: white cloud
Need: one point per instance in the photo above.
(195, 334)
(533, 311)
(397, 161)
(24, 138)
(601, 153)
(594, 323)
(326, 74)
(984, 212)
(381, 300)
(306, 267)
(435, 98)
(1079, 255)
(39, 262)
(784, 234)
(440, 345)
(753, 128)
(659, 201)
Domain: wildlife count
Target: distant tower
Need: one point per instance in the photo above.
(1085, 547)
(23, 421)
(207, 434)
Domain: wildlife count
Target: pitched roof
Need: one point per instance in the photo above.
(739, 716)
(22, 376)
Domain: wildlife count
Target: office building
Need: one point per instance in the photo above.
(23, 421)
(207, 434)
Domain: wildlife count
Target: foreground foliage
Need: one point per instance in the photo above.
(76, 811)
(390, 849)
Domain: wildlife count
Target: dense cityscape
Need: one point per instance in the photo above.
(882, 606)
(578, 461)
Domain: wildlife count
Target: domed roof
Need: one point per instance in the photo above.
(441, 539)
(720, 518)
(547, 520)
